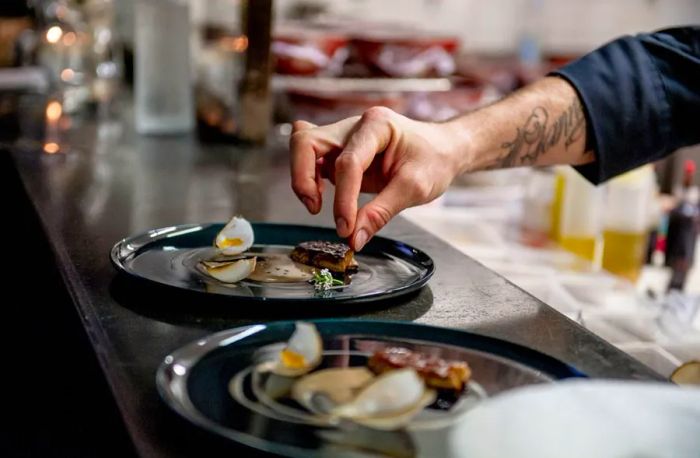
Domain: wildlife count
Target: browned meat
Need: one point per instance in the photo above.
(336, 257)
(437, 372)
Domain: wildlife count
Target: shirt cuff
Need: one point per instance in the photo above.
(625, 106)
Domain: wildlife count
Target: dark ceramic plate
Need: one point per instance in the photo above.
(169, 256)
(209, 382)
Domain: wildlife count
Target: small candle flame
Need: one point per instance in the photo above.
(234, 44)
(53, 111)
(51, 148)
(54, 34)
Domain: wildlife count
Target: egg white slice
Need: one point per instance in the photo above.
(303, 352)
(230, 272)
(389, 401)
(236, 237)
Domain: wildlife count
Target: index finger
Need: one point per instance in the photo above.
(371, 137)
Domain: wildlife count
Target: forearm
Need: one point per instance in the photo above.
(542, 124)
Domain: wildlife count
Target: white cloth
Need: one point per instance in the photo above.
(583, 418)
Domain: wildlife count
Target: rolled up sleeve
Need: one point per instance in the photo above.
(641, 96)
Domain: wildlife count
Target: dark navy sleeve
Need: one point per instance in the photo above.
(641, 96)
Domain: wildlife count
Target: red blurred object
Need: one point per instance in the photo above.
(660, 244)
(307, 52)
(689, 167)
(406, 53)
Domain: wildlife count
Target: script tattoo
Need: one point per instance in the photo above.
(537, 135)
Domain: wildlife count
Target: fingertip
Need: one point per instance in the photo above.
(342, 226)
(308, 203)
(360, 240)
(344, 223)
(313, 204)
(363, 231)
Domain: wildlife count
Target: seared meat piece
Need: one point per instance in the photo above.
(336, 257)
(437, 372)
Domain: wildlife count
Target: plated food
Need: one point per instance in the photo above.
(230, 271)
(236, 237)
(435, 371)
(386, 393)
(336, 257)
(251, 262)
(322, 263)
(330, 402)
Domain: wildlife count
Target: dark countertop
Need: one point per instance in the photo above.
(112, 183)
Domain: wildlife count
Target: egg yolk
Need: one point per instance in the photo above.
(292, 359)
(225, 243)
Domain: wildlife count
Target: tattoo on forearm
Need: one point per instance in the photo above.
(537, 135)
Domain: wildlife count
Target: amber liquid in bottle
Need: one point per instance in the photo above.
(624, 253)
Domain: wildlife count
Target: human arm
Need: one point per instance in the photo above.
(409, 162)
(627, 103)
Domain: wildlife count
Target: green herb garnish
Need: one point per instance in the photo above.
(323, 280)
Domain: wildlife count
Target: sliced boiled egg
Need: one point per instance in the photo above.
(389, 401)
(303, 352)
(339, 384)
(236, 237)
(230, 271)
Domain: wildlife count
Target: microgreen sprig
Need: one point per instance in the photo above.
(323, 280)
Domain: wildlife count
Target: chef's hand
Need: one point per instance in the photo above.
(410, 162)
(406, 162)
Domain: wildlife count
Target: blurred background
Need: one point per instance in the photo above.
(619, 259)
